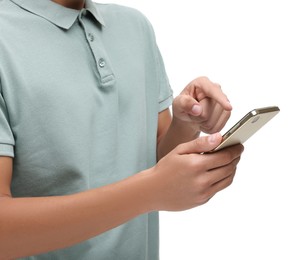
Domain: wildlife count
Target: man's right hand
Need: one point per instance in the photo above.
(187, 177)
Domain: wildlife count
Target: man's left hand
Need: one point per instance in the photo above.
(202, 105)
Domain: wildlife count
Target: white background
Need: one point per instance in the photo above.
(251, 48)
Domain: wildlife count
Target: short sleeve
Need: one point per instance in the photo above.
(165, 90)
(166, 93)
(6, 137)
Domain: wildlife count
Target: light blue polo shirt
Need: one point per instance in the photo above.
(80, 94)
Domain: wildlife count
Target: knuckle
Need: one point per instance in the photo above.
(229, 180)
(198, 142)
(228, 156)
(207, 126)
(204, 183)
(234, 170)
(204, 78)
(203, 198)
(217, 85)
(193, 162)
(179, 148)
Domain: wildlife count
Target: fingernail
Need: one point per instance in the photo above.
(229, 104)
(212, 138)
(196, 109)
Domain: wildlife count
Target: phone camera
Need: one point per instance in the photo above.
(255, 119)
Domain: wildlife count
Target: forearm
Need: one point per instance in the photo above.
(177, 133)
(34, 225)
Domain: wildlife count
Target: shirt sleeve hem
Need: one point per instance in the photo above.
(7, 150)
(165, 103)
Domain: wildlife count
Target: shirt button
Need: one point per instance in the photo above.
(91, 37)
(84, 12)
(102, 63)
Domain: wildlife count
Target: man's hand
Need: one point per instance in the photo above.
(186, 178)
(203, 106)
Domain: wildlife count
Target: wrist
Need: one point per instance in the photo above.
(153, 189)
(148, 191)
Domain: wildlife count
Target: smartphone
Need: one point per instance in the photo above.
(247, 126)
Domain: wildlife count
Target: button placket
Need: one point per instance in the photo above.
(101, 59)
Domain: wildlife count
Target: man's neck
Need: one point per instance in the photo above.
(74, 4)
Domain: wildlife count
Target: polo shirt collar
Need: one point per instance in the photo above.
(57, 14)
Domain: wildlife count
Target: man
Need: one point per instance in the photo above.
(84, 118)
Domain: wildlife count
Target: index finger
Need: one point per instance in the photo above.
(223, 157)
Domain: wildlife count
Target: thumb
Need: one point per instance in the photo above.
(201, 144)
(187, 104)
